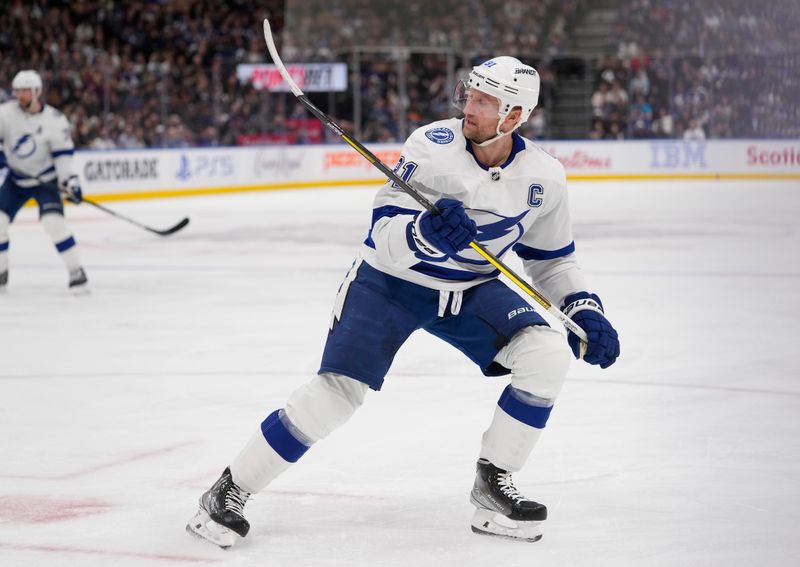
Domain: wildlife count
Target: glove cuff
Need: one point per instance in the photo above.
(418, 242)
(581, 301)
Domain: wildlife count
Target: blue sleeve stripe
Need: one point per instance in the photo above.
(60, 153)
(390, 211)
(535, 416)
(3, 246)
(281, 439)
(386, 211)
(368, 240)
(528, 253)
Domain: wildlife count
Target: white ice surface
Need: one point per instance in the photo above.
(119, 408)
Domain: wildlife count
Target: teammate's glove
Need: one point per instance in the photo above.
(448, 232)
(586, 310)
(71, 190)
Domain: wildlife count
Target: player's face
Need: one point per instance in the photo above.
(481, 114)
(25, 97)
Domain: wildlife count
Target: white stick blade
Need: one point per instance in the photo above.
(273, 51)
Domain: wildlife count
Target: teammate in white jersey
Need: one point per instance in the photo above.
(36, 157)
(416, 270)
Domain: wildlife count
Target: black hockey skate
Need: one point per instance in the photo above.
(78, 282)
(220, 514)
(502, 510)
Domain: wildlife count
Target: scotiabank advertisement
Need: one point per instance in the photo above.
(153, 173)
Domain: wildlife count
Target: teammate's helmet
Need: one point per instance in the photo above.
(510, 81)
(27, 79)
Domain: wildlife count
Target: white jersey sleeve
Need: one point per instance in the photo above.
(62, 149)
(394, 210)
(548, 252)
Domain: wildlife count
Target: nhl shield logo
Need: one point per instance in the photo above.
(495, 174)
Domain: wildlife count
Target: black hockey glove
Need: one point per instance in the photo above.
(71, 190)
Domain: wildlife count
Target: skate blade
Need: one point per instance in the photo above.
(487, 522)
(79, 290)
(203, 527)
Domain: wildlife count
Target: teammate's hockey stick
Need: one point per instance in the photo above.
(416, 195)
(166, 232)
(172, 230)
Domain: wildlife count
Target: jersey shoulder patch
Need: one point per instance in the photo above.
(440, 135)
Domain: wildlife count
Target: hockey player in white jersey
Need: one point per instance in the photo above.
(417, 270)
(36, 148)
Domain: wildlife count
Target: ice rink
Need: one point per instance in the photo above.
(119, 408)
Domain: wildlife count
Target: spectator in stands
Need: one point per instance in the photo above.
(641, 117)
(694, 131)
(617, 99)
(614, 132)
(597, 132)
(601, 107)
(662, 126)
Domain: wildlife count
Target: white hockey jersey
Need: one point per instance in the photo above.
(38, 147)
(520, 206)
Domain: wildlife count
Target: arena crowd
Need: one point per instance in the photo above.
(163, 74)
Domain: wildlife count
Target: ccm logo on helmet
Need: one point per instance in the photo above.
(524, 71)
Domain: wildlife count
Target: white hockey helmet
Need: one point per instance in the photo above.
(509, 80)
(27, 79)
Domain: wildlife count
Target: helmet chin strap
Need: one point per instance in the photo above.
(492, 140)
(499, 134)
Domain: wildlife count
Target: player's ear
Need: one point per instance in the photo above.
(511, 119)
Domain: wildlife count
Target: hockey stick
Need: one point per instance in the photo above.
(416, 195)
(165, 232)
(182, 223)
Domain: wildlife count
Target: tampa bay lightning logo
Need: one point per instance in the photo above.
(24, 147)
(440, 135)
(497, 233)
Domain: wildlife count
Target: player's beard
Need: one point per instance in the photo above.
(28, 105)
(474, 134)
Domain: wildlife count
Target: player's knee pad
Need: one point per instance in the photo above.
(538, 358)
(323, 404)
(56, 226)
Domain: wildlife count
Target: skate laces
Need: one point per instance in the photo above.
(507, 487)
(235, 498)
